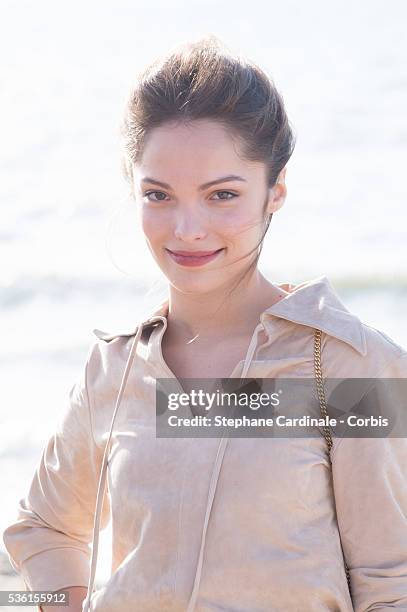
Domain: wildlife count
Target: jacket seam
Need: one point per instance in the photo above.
(46, 550)
(88, 402)
(386, 337)
(402, 353)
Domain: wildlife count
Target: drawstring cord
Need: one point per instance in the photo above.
(103, 473)
(214, 479)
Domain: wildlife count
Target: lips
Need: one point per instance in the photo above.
(193, 258)
(194, 253)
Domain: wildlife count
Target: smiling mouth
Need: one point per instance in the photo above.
(189, 258)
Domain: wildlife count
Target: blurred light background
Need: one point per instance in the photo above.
(72, 255)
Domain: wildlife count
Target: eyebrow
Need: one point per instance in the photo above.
(223, 179)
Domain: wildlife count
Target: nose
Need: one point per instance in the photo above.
(189, 226)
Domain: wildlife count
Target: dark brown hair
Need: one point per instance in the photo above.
(204, 80)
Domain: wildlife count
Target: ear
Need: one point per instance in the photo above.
(278, 193)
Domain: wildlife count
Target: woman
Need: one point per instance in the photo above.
(210, 523)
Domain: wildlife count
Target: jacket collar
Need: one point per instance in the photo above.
(314, 303)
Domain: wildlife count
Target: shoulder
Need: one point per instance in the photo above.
(383, 352)
(108, 353)
(380, 355)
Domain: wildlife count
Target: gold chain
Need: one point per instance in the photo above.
(322, 403)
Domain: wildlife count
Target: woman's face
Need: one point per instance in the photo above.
(196, 193)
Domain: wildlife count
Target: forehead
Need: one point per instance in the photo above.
(199, 149)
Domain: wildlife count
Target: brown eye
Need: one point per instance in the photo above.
(148, 193)
(234, 195)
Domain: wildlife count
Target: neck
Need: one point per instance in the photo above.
(216, 315)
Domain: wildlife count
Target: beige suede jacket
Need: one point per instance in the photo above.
(208, 524)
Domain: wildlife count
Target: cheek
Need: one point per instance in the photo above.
(240, 226)
(147, 225)
(154, 226)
